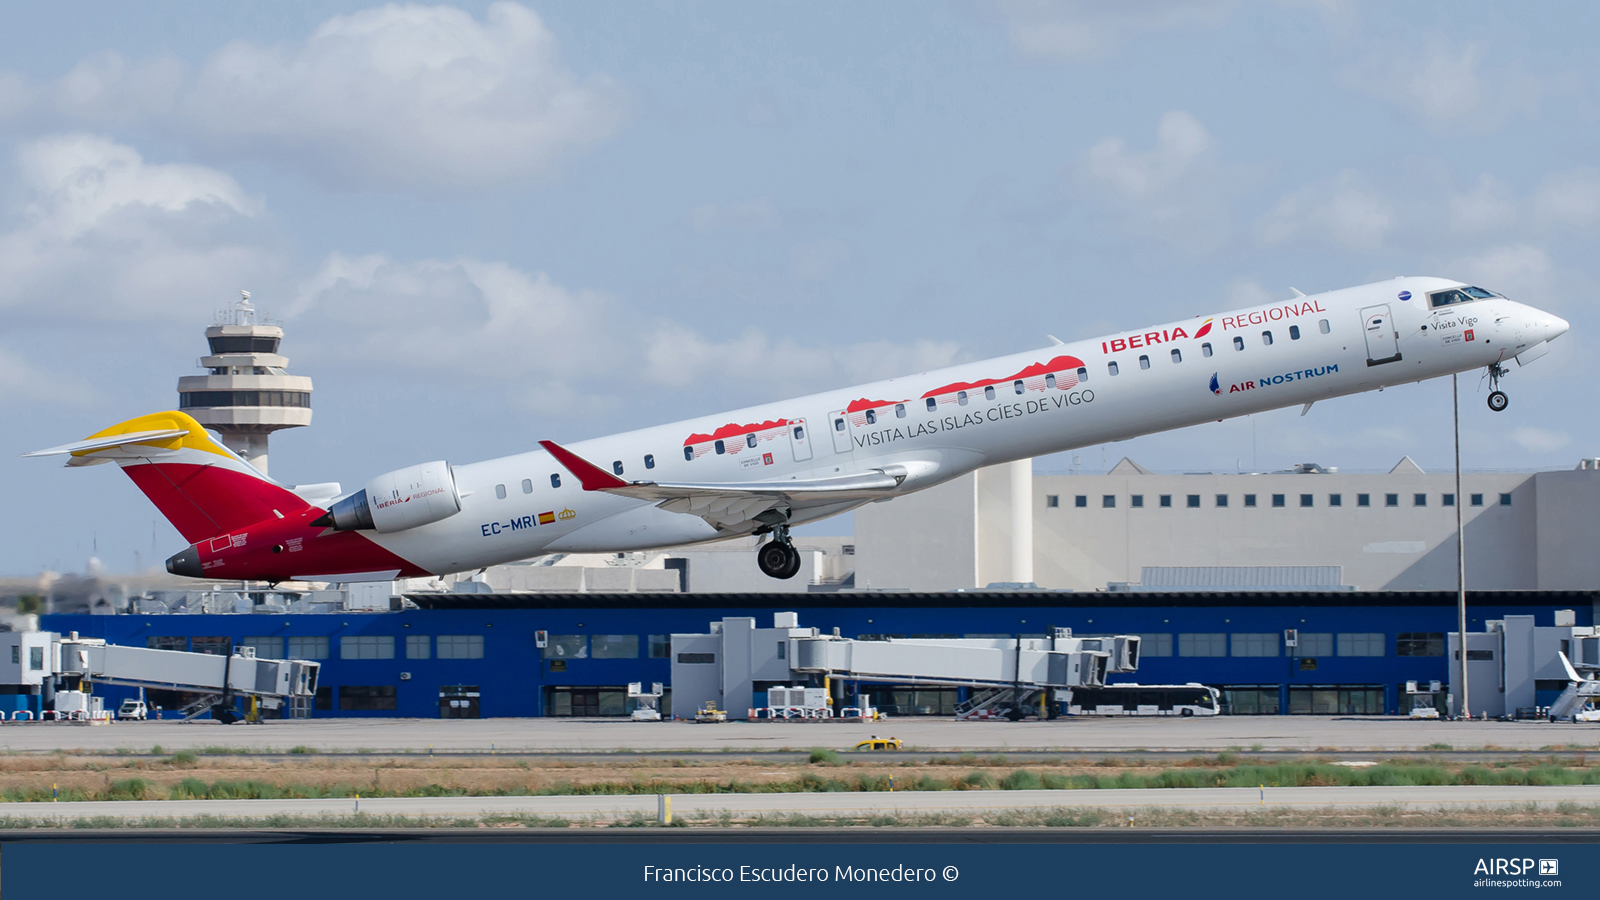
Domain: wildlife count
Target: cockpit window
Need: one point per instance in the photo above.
(1460, 295)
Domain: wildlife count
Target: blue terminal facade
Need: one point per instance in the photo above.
(469, 655)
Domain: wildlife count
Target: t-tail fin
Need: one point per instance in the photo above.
(203, 488)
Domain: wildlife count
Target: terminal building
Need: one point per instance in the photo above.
(1355, 651)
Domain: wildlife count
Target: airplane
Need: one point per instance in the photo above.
(765, 469)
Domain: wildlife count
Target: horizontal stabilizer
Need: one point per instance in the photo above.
(115, 440)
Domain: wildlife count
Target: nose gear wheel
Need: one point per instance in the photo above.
(1498, 400)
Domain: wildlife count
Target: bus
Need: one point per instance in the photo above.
(1145, 700)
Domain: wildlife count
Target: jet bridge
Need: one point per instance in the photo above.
(734, 661)
(61, 664)
(1059, 661)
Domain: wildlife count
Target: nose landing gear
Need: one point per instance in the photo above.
(1498, 400)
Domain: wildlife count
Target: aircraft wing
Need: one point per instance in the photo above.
(729, 504)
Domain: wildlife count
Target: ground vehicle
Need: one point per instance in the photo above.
(710, 713)
(878, 743)
(132, 709)
(1145, 700)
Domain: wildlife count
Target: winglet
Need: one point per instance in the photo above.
(591, 476)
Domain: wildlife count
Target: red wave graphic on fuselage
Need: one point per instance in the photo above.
(734, 429)
(1034, 371)
(864, 403)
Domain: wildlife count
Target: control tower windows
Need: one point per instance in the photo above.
(242, 343)
(205, 399)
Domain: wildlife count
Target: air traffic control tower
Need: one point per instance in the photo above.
(248, 393)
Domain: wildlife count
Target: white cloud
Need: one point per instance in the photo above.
(1443, 82)
(1175, 190)
(1344, 210)
(1078, 30)
(1489, 206)
(1517, 270)
(1569, 198)
(484, 321)
(390, 96)
(22, 383)
(100, 230)
(749, 215)
(1540, 440)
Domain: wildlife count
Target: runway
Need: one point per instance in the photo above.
(548, 735)
(826, 804)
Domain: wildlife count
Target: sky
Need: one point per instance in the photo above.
(489, 224)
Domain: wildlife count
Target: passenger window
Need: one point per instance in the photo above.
(500, 491)
(799, 432)
(1177, 356)
(899, 410)
(720, 447)
(933, 404)
(1018, 386)
(1322, 325)
(838, 424)
(688, 454)
(1266, 338)
(872, 417)
(527, 485)
(649, 461)
(1050, 381)
(1294, 332)
(1205, 349)
(1238, 342)
(961, 398)
(1144, 362)
(555, 479)
(616, 466)
(1112, 367)
(749, 441)
(1083, 374)
(988, 392)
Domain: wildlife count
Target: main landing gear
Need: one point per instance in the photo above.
(778, 558)
(1498, 401)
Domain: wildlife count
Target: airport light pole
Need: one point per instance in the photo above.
(1461, 556)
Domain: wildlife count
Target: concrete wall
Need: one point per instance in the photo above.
(925, 542)
(958, 535)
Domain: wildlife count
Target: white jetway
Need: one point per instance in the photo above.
(48, 659)
(734, 661)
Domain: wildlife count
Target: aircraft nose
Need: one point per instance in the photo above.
(1555, 327)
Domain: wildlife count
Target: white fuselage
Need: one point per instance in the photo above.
(983, 413)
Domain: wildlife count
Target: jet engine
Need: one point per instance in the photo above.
(395, 501)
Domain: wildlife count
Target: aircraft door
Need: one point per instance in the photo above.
(800, 439)
(1383, 342)
(839, 427)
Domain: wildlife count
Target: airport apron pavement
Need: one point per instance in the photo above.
(825, 803)
(1300, 733)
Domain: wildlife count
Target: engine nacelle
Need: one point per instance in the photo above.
(395, 501)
